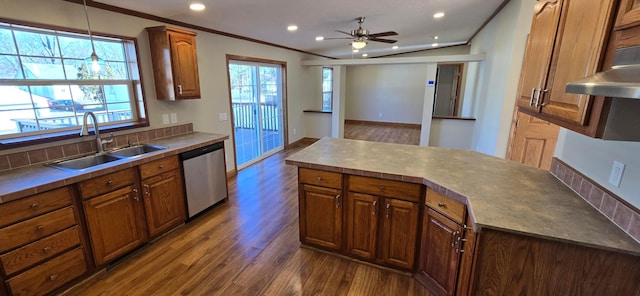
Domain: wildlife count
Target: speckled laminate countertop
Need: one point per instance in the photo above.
(19, 183)
(499, 194)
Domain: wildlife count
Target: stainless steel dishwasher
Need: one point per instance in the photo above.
(205, 177)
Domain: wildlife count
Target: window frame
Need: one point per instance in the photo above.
(138, 99)
(327, 92)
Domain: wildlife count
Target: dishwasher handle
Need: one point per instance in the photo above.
(201, 151)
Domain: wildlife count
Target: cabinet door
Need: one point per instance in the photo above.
(538, 53)
(399, 233)
(116, 223)
(629, 14)
(579, 52)
(163, 202)
(321, 216)
(362, 225)
(439, 258)
(185, 65)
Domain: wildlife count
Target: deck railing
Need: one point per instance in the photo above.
(245, 115)
(31, 125)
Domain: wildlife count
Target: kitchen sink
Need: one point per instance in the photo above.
(85, 162)
(135, 150)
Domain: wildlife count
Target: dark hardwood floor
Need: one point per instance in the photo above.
(382, 132)
(246, 246)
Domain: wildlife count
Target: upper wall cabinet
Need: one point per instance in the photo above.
(629, 15)
(175, 64)
(567, 42)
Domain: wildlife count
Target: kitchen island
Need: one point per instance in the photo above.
(521, 229)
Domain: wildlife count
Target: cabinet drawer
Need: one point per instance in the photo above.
(39, 250)
(320, 178)
(34, 205)
(159, 166)
(388, 188)
(36, 228)
(49, 276)
(107, 183)
(454, 210)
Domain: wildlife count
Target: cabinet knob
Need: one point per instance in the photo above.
(319, 179)
(34, 206)
(442, 205)
(109, 182)
(161, 166)
(46, 249)
(40, 228)
(53, 277)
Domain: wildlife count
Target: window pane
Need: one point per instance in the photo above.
(116, 70)
(75, 47)
(109, 50)
(327, 74)
(37, 44)
(17, 110)
(10, 67)
(44, 68)
(6, 42)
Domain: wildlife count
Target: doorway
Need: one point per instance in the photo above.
(448, 79)
(257, 91)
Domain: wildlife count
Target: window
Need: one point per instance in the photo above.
(46, 86)
(327, 89)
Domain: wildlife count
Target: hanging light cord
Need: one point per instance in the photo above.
(86, 14)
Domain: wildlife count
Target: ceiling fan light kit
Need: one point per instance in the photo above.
(358, 44)
(361, 36)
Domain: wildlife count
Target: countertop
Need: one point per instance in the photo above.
(499, 194)
(19, 183)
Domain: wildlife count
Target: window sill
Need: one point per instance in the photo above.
(317, 111)
(452, 117)
(65, 135)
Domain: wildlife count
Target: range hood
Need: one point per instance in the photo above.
(621, 81)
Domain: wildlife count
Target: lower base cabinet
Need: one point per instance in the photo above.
(320, 216)
(163, 202)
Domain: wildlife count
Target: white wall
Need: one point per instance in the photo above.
(492, 85)
(451, 133)
(211, 64)
(317, 125)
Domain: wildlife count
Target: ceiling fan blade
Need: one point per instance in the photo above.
(343, 32)
(383, 34)
(338, 38)
(383, 40)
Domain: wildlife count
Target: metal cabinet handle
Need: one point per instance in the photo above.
(34, 206)
(180, 89)
(442, 205)
(146, 191)
(135, 194)
(46, 249)
(40, 228)
(109, 182)
(533, 93)
(375, 207)
(538, 102)
(53, 277)
(337, 198)
(319, 179)
(387, 210)
(161, 166)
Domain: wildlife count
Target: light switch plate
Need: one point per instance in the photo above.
(165, 118)
(616, 173)
(222, 116)
(174, 118)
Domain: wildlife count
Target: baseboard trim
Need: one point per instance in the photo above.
(382, 123)
(302, 142)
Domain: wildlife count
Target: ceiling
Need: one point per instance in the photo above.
(267, 20)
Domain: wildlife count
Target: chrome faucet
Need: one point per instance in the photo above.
(85, 131)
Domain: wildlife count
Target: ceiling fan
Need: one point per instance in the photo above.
(360, 35)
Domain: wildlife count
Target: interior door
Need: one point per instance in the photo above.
(447, 90)
(533, 141)
(257, 95)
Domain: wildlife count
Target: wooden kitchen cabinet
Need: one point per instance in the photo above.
(320, 208)
(164, 202)
(567, 42)
(175, 63)
(114, 213)
(628, 14)
(447, 246)
(382, 221)
(41, 243)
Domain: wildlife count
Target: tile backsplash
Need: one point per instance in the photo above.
(42, 155)
(621, 213)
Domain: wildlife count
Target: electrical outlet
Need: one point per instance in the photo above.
(165, 118)
(174, 118)
(222, 116)
(616, 173)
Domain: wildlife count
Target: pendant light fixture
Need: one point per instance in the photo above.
(358, 43)
(93, 62)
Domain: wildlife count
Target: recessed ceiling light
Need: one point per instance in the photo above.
(292, 28)
(435, 37)
(434, 44)
(438, 14)
(197, 6)
(394, 47)
(319, 38)
(356, 50)
(365, 55)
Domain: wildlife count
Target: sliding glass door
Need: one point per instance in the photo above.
(257, 95)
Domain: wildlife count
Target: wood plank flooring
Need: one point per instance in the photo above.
(382, 132)
(246, 246)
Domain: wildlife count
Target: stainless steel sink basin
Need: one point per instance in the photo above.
(85, 162)
(135, 150)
